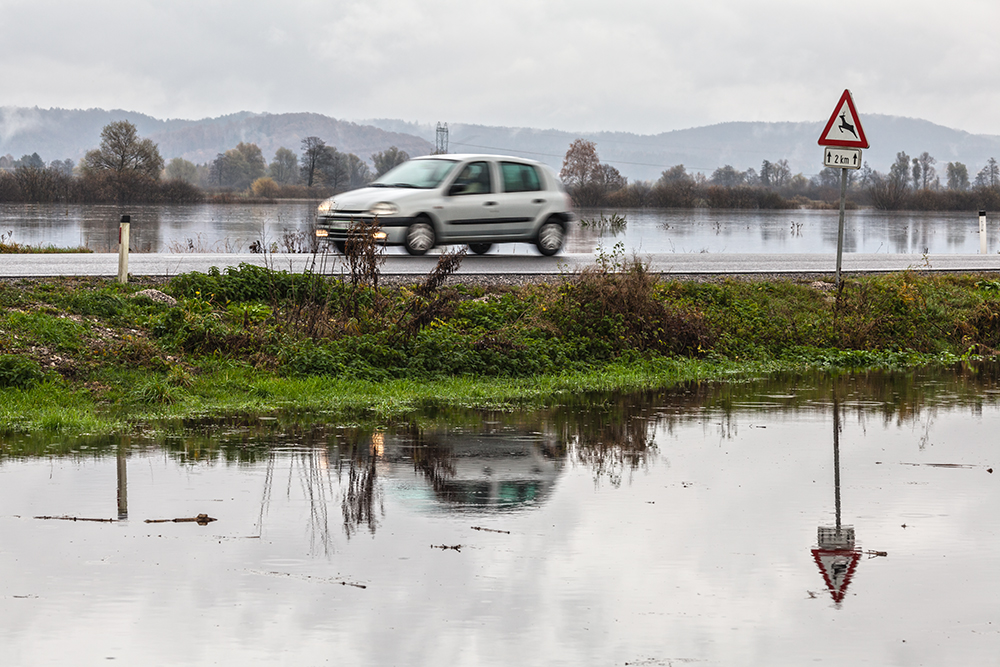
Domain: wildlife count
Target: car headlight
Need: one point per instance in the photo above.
(384, 208)
(325, 207)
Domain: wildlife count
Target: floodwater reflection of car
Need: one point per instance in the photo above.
(479, 473)
(435, 200)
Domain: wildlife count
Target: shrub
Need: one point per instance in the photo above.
(617, 306)
(265, 187)
(19, 372)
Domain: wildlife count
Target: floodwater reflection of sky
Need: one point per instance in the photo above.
(653, 530)
(234, 227)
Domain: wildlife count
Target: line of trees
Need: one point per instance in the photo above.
(910, 184)
(320, 170)
(127, 168)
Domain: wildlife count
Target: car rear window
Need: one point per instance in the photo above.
(519, 177)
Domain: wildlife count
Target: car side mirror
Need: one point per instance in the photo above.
(457, 189)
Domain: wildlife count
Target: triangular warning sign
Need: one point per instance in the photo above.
(844, 127)
(837, 567)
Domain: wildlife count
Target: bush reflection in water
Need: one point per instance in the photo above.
(486, 462)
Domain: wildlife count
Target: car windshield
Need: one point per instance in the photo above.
(416, 174)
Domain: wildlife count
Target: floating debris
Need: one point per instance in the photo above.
(201, 520)
(491, 530)
(76, 518)
(306, 577)
(456, 547)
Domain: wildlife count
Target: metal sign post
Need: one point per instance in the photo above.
(840, 228)
(843, 142)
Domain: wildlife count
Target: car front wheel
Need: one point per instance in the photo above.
(419, 238)
(550, 238)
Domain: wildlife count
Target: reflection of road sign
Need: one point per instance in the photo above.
(844, 127)
(837, 567)
(843, 158)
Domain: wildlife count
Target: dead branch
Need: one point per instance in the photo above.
(201, 520)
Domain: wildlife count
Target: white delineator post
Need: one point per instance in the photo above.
(123, 248)
(982, 232)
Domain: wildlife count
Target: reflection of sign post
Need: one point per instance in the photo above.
(843, 138)
(835, 553)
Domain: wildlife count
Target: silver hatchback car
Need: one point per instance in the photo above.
(477, 200)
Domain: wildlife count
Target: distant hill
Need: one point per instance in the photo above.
(63, 133)
(740, 144)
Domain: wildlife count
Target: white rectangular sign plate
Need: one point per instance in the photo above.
(842, 158)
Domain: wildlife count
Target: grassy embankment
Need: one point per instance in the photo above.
(9, 247)
(89, 356)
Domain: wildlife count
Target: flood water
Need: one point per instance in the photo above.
(780, 521)
(234, 227)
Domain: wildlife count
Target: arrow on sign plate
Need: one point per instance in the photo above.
(843, 158)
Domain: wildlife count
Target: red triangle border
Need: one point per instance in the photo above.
(860, 142)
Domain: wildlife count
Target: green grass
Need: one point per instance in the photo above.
(80, 355)
(11, 248)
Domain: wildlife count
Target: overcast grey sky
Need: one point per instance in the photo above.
(575, 65)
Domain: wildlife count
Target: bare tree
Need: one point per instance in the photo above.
(727, 176)
(580, 164)
(180, 169)
(927, 171)
(610, 178)
(122, 151)
(387, 159)
(899, 172)
(675, 175)
(887, 193)
(988, 176)
(358, 173)
(958, 176)
(284, 168)
(332, 168)
(781, 173)
(312, 153)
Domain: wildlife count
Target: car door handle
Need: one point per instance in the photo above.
(537, 201)
(490, 203)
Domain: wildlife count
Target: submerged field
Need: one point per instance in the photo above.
(98, 357)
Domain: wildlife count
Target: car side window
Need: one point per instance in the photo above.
(519, 177)
(474, 179)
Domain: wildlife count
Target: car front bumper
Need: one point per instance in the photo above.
(337, 227)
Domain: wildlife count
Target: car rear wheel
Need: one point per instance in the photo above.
(550, 238)
(480, 248)
(341, 247)
(419, 238)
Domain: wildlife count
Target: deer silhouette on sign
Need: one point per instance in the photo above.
(844, 125)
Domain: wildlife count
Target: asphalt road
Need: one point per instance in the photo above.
(170, 264)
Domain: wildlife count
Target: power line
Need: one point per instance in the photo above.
(514, 150)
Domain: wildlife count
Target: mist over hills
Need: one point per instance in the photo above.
(63, 133)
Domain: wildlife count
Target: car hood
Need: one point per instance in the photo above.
(364, 198)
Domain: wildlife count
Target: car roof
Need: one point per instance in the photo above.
(462, 157)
